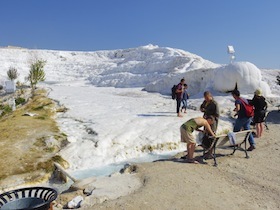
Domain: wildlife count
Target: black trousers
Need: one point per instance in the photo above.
(178, 100)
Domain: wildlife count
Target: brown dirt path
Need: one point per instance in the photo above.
(237, 183)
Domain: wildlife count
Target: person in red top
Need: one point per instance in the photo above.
(179, 93)
(242, 121)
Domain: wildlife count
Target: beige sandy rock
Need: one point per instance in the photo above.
(237, 183)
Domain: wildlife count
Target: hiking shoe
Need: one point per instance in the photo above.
(251, 148)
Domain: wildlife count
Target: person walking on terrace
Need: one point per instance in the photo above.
(179, 93)
(185, 98)
(242, 121)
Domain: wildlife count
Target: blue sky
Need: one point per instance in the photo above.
(203, 27)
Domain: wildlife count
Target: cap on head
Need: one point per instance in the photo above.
(258, 92)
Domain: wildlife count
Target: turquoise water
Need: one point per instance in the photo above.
(116, 167)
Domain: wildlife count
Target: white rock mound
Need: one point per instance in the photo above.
(155, 68)
(245, 75)
(137, 67)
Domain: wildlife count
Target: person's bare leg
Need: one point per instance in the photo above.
(179, 115)
(258, 129)
(261, 129)
(191, 148)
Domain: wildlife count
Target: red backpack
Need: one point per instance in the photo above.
(249, 109)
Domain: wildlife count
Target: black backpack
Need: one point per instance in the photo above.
(173, 92)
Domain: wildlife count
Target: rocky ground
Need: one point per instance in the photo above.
(29, 140)
(237, 182)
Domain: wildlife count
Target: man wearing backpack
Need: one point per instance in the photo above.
(179, 93)
(243, 120)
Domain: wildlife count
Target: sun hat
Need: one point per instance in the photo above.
(258, 92)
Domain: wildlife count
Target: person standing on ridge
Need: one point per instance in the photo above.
(242, 121)
(179, 93)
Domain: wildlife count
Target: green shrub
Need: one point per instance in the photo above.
(36, 73)
(12, 73)
(19, 101)
(5, 109)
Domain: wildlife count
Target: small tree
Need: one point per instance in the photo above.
(278, 79)
(36, 73)
(12, 73)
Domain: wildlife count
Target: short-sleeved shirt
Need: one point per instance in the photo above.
(179, 87)
(241, 113)
(185, 95)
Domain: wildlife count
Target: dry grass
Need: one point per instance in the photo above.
(23, 139)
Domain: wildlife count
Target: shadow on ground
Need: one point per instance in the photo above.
(273, 117)
(155, 115)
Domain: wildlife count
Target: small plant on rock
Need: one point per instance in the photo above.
(5, 109)
(36, 73)
(12, 73)
(19, 101)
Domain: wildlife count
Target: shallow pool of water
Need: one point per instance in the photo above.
(116, 167)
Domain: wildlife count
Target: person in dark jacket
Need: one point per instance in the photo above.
(210, 108)
(260, 105)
